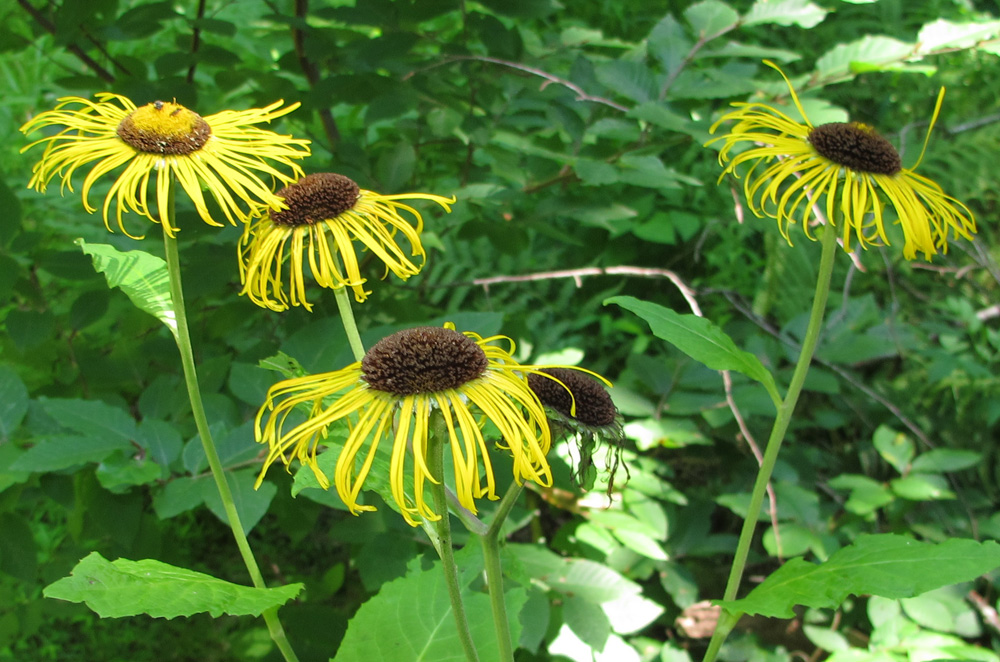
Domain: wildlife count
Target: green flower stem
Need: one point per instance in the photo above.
(494, 573)
(728, 620)
(183, 338)
(435, 464)
(350, 326)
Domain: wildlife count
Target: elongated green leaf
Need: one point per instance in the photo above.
(870, 53)
(410, 620)
(143, 277)
(710, 16)
(13, 401)
(61, 452)
(127, 588)
(700, 339)
(785, 12)
(580, 577)
(889, 566)
(91, 417)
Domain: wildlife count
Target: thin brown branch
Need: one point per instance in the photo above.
(985, 609)
(312, 73)
(195, 42)
(47, 25)
(581, 95)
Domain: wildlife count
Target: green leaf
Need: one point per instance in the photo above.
(410, 620)
(631, 80)
(895, 447)
(129, 588)
(61, 452)
(870, 53)
(922, 487)
(91, 417)
(785, 12)
(867, 495)
(589, 580)
(946, 459)
(395, 167)
(700, 339)
(945, 34)
(13, 401)
(889, 566)
(588, 621)
(710, 16)
(141, 276)
(251, 504)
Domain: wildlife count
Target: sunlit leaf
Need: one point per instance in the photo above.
(119, 588)
(888, 565)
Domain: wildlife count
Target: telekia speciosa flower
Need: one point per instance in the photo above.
(224, 153)
(325, 218)
(462, 380)
(795, 165)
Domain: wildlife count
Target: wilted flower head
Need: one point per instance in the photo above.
(577, 404)
(324, 215)
(848, 163)
(392, 394)
(223, 153)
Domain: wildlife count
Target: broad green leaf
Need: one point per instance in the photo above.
(141, 276)
(596, 173)
(710, 16)
(945, 34)
(114, 589)
(410, 620)
(395, 166)
(888, 565)
(161, 440)
(946, 459)
(9, 454)
(700, 339)
(91, 417)
(870, 53)
(181, 495)
(922, 487)
(61, 452)
(251, 504)
(631, 613)
(13, 401)
(631, 80)
(588, 621)
(803, 13)
(867, 495)
(591, 581)
(895, 448)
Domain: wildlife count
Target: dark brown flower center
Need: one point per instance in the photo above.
(165, 128)
(856, 146)
(426, 359)
(316, 198)
(593, 404)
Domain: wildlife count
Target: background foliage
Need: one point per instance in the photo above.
(572, 134)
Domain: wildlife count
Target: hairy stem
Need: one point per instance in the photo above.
(727, 620)
(183, 337)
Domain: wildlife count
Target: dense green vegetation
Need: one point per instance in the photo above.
(573, 136)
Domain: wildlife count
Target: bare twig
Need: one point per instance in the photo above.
(312, 73)
(195, 42)
(986, 610)
(581, 95)
(47, 25)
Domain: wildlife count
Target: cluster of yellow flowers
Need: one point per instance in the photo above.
(315, 220)
(318, 219)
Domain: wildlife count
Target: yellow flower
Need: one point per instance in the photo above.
(391, 393)
(325, 214)
(223, 153)
(849, 164)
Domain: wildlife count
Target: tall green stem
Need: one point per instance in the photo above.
(350, 326)
(727, 620)
(435, 463)
(494, 573)
(183, 338)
